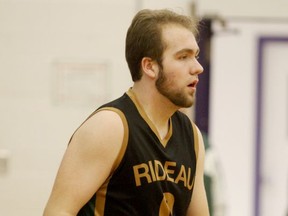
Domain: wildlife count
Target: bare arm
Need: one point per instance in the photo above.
(86, 164)
(198, 205)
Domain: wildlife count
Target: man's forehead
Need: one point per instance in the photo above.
(179, 38)
(173, 30)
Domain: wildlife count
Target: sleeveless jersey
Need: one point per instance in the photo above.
(153, 177)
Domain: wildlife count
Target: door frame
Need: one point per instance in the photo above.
(262, 42)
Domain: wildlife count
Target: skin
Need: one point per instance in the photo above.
(178, 58)
(95, 149)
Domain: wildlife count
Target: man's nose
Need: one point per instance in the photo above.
(196, 68)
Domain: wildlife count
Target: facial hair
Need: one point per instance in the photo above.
(177, 97)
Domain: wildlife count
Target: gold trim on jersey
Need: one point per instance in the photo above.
(196, 140)
(143, 114)
(101, 193)
(196, 145)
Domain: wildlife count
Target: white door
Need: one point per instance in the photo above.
(274, 133)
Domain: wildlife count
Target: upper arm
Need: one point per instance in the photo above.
(88, 161)
(198, 205)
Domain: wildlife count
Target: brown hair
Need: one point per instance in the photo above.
(143, 37)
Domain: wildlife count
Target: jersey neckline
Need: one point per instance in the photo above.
(143, 114)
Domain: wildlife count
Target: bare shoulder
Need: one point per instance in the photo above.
(90, 158)
(103, 131)
(102, 121)
(96, 146)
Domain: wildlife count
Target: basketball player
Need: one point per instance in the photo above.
(139, 155)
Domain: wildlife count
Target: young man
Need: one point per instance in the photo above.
(139, 155)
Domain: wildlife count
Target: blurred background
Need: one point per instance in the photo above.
(61, 59)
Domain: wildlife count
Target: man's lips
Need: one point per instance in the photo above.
(193, 84)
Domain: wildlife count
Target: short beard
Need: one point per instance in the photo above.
(177, 98)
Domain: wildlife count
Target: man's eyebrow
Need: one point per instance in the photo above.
(187, 50)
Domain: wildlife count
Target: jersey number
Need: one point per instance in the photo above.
(166, 207)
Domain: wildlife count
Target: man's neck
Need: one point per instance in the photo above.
(157, 107)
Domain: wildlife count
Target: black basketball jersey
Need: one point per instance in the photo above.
(153, 176)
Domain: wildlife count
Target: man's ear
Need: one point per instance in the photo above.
(149, 67)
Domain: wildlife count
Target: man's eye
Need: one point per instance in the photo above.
(183, 57)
